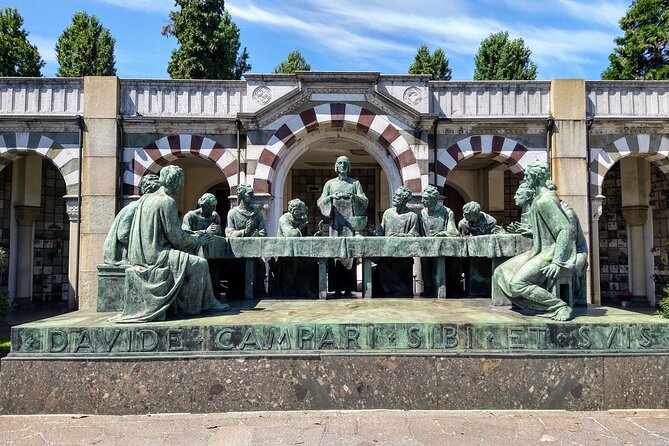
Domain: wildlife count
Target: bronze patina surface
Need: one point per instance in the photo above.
(273, 326)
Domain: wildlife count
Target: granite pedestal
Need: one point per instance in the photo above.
(339, 354)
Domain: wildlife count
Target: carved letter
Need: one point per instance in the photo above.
(584, 335)
(414, 338)
(83, 341)
(283, 338)
(249, 339)
(611, 336)
(468, 337)
(327, 338)
(450, 337)
(305, 334)
(646, 336)
(541, 335)
(108, 344)
(352, 335)
(57, 341)
(148, 340)
(175, 341)
(224, 344)
(514, 336)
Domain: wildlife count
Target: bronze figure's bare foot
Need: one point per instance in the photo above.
(563, 314)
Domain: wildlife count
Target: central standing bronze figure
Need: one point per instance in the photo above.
(342, 198)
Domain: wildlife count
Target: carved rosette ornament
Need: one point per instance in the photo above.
(413, 96)
(262, 95)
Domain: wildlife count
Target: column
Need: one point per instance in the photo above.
(72, 209)
(635, 189)
(635, 217)
(597, 207)
(496, 193)
(569, 151)
(25, 202)
(100, 178)
(25, 218)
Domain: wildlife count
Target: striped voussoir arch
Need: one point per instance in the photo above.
(18, 144)
(169, 148)
(654, 148)
(499, 148)
(364, 121)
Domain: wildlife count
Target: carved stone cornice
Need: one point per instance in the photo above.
(635, 215)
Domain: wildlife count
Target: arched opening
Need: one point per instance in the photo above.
(201, 176)
(314, 167)
(454, 201)
(36, 233)
(486, 181)
(633, 250)
(634, 233)
(318, 151)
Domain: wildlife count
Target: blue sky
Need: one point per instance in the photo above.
(568, 38)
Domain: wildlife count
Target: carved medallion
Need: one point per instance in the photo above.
(262, 95)
(413, 96)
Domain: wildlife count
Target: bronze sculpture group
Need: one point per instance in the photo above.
(165, 273)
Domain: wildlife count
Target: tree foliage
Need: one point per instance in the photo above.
(643, 51)
(208, 42)
(435, 64)
(85, 48)
(17, 56)
(500, 58)
(294, 62)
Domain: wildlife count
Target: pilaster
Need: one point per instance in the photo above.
(99, 178)
(569, 150)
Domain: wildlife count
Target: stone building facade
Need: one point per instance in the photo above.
(92, 139)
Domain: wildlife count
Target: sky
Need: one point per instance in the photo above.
(568, 38)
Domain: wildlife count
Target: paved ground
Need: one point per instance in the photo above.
(378, 427)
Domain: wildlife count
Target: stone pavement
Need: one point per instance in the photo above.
(374, 427)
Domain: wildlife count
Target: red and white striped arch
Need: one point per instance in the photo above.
(653, 148)
(502, 149)
(364, 121)
(160, 153)
(17, 144)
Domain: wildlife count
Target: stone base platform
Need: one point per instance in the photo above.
(339, 354)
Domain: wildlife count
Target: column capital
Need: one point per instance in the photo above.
(597, 207)
(26, 215)
(72, 207)
(635, 215)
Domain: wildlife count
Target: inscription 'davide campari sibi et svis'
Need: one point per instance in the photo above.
(378, 337)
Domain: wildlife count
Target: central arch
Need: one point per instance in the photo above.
(285, 164)
(373, 127)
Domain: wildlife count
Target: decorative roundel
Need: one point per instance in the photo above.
(413, 96)
(262, 95)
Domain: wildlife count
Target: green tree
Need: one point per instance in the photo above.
(500, 58)
(435, 64)
(209, 42)
(294, 62)
(17, 56)
(85, 48)
(643, 51)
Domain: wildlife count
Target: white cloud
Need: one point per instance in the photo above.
(606, 12)
(46, 47)
(142, 5)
